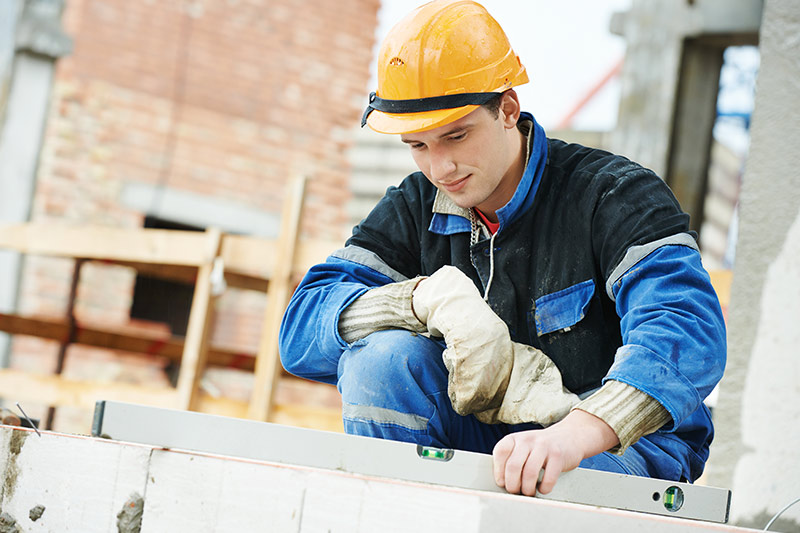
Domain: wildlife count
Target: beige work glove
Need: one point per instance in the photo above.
(535, 391)
(489, 375)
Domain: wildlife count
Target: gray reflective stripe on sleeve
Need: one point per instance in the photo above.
(637, 253)
(381, 415)
(362, 256)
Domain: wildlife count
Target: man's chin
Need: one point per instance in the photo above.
(460, 200)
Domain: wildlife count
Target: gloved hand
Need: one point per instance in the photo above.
(488, 374)
(478, 355)
(535, 392)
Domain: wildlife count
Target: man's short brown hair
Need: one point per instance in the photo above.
(493, 105)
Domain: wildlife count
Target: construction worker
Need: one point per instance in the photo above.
(541, 301)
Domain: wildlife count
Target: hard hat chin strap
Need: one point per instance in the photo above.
(420, 105)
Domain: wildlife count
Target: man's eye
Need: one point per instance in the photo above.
(458, 137)
(418, 146)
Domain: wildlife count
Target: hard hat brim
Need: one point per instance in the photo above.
(416, 122)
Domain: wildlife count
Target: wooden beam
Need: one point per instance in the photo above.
(243, 281)
(310, 252)
(70, 337)
(195, 348)
(250, 261)
(249, 255)
(62, 391)
(267, 364)
(721, 280)
(28, 388)
(167, 254)
(143, 343)
(180, 273)
(188, 274)
(307, 416)
(165, 247)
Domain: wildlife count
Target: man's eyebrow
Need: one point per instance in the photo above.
(458, 129)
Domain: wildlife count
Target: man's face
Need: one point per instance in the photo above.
(470, 160)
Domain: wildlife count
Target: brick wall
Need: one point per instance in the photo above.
(221, 98)
(225, 98)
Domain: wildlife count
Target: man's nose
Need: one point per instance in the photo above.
(442, 165)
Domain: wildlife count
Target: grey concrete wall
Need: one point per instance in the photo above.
(758, 414)
(9, 12)
(38, 41)
(655, 33)
(20, 139)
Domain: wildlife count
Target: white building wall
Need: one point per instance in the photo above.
(756, 447)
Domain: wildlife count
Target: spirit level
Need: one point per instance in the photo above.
(276, 443)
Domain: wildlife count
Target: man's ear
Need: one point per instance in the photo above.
(510, 109)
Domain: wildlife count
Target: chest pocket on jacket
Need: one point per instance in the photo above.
(563, 309)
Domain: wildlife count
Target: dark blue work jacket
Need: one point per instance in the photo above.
(594, 264)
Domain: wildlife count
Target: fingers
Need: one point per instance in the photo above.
(552, 469)
(515, 466)
(518, 465)
(500, 454)
(531, 473)
(525, 464)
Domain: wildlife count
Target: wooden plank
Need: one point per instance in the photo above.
(306, 416)
(169, 254)
(721, 280)
(179, 273)
(195, 347)
(310, 252)
(61, 391)
(62, 348)
(144, 343)
(188, 274)
(267, 365)
(250, 261)
(236, 280)
(166, 247)
(249, 255)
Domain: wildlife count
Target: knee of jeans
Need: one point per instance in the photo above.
(389, 355)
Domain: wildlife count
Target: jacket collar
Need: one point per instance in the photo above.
(449, 218)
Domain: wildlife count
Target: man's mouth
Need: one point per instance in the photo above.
(456, 185)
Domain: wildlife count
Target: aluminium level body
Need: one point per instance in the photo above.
(276, 443)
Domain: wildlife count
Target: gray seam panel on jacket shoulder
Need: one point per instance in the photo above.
(362, 256)
(637, 253)
(381, 415)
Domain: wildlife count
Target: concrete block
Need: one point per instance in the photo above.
(82, 483)
(189, 492)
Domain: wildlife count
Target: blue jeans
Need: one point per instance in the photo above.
(394, 386)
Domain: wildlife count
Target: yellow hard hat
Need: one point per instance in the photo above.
(438, 64)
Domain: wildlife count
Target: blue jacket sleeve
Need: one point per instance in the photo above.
(309, 342)
(673, 331)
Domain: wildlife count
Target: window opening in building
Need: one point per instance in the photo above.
(731, 141)
(161, 300)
